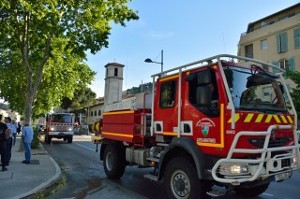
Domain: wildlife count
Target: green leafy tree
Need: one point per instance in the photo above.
(82, 98)
(44, 42)
(295, 94)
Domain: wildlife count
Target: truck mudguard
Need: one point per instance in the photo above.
(202, 162)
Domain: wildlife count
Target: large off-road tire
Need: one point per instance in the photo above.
(181, 180)
(251, 191)
(70, 139)
(114, 161)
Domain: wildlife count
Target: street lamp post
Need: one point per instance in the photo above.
(148, 60)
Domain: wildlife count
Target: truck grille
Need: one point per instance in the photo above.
(278, 142)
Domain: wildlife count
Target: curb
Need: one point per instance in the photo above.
(45, 185)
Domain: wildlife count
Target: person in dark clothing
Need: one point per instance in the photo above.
(9, 139)
(3, 129)
(19, 128)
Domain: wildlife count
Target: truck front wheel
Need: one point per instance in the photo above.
(251, 191)
(114, 162)
(181, 180)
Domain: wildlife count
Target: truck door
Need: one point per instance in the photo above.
(165, 117)
(202, 109)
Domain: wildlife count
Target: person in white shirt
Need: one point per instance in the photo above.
(14, 127)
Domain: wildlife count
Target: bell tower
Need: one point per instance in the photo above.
(113, 83)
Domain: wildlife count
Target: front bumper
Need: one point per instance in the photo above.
(235, 171)
(60, 134)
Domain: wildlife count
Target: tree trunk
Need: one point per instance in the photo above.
(28, 110)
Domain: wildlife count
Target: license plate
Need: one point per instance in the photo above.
(282, 176)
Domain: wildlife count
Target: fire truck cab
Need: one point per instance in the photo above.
(225, 120)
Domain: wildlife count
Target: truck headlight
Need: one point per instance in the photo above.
(294, 161)
(233, 169)
(52, 128)
(70, 129)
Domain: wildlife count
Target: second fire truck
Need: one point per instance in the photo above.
(59, 125)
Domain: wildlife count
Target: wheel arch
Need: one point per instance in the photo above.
(189, 149)
(106, 142)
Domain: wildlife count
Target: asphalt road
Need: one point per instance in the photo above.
(85, 177)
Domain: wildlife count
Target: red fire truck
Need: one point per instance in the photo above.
(59, 125)
(209, 127)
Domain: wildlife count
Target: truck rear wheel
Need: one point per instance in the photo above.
(181, 180)
(114, 162)
(251, 191)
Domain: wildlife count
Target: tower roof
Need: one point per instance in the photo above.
(114, 64)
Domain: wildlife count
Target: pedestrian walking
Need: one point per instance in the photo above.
(3, 129)
(14, 127)
(8, 141)
(19, 128)
(27, 137)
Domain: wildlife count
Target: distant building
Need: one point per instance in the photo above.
(274, 39)
(95, 111)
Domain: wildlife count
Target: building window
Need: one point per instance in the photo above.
(297, 38)
(95, 113)
(266, 91)
(92, 113)
(282, 42)
(249, 51)
(265, 67)
(99, 113)
(284, 64)
(167, 94)
(116, 72)
(263, 44)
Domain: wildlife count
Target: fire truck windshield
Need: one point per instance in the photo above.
(61, 118)
(255, 90)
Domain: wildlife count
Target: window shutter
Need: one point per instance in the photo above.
(291, 64)
(278, 44)
(284, 42)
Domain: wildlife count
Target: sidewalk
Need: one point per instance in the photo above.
(23, 180)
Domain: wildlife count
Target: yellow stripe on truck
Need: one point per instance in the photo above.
(236, 118)
(248, 118)
(266, 118)
(259, 118)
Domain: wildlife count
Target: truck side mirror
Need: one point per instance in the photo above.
(203, 96)
(204, 77)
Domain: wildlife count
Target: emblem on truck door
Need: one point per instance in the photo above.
(205, 124)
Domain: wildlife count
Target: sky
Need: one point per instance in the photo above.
(186, 31)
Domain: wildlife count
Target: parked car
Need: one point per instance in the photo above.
(81, 130)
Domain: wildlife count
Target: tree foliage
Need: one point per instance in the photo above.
(82, 98)
(295, 94)
(43, 46)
